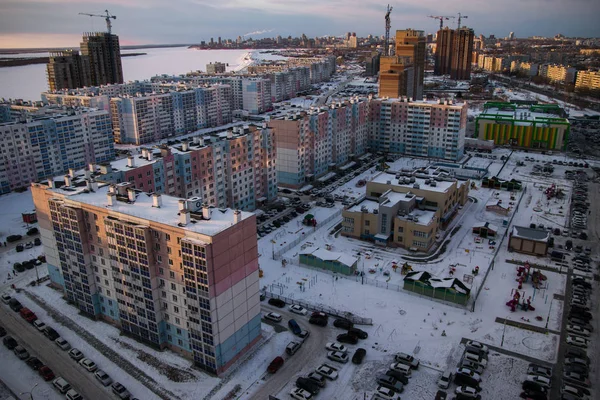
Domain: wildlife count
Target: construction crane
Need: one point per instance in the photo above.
(388, 25)
(460, 16)
(107, 17)
(441, 18)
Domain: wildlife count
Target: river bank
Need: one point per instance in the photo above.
(18, 62)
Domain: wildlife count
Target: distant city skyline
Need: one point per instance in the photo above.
(56, 23)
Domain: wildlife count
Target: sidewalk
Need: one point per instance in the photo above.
(514, 354)
(525, 325)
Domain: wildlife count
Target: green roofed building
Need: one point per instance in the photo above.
(330, 260)
(537, 126)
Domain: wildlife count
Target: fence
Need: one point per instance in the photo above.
(328, 310)
(437, 293)
(499, 243)
(277, 254)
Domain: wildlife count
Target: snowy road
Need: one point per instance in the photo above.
(58, 360)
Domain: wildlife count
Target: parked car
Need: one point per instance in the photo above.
(62, 385)
(384, 393)
(346, 338)
(539, 370)
(15, 305)
(343, 323)
(273, 317)
(335, 346)
(308, 385)
(317, 378)
(72, 394)
(34, 363)
(469, 373)
(75, 354)
(9, 342)
(276, 302)
(292, 348)
(46, 373)
(88, 364)
(407, 359)
(103, 377)
(327, 371)
(304, 334)
(541, 380)
(359, 333)
(576, 378)
(2, 331)
(476, 347)
(62, 343)
(338, 356)
(578, 330)
(300, 394)
(468, 392)
(294, 327)
(50, 333)
(39, 325)
(6, 298)
(445, 380)
(478, 358)
(120, 391)
(21, 352)
(403, 368)
(473, 366)
(275, 365)
(298, 309)
(27, 314)
(398, 376)
(359, 355)
(390, 383)
(318, 321)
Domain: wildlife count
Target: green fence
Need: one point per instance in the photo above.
(446, 294)
(329, 265)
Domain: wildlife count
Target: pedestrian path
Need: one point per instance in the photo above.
(525, 325)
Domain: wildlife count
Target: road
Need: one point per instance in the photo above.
(313, 346)
(58, 360)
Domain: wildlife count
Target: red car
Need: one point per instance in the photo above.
(46, 373)
(27, 314)
(275, 365)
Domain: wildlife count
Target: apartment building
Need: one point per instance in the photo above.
(103, 51)
(411, 43)
(405, 209)
(256, 95)
(311, 143)
(234, 168)
(588, 80)
(558, 73)
(169, 272)
(216, 68)
(527, 68)
(396, 77)
(67, 69)
(101, 102)
(541, 126)
(150, 117)
(418, 128)
(51, 141)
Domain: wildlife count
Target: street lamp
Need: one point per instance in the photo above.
(30, 393)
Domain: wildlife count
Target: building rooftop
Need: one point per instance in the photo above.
(524, 113)
(327, 255)
(370, 206)
(416, 181)
(143, 207)
(539, 235)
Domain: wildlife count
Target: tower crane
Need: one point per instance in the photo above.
(107, 17)
(460, 16)
(441, 18)
(388, 25)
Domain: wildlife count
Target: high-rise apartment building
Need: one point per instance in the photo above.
(558, 73)
(309, 143)
(462, 53)
(443, 51)
(256, 95)
(588, 80)
(216, 68)
(411, 43)
(396, 77)
(372, 63)
(234, 168)
(51, 141)
(67, 70)
(104, 54)
(418, 128)
(169, 272)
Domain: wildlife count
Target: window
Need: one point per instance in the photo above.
(174, 298)
(367, 223)
(173, 287)
(400, 229)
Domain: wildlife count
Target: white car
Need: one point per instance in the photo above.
(577, 330)
(39, 325)
(6, 298)
(273, 317)
(540, 380)
(300, 394)
(296, 309)
(327, 371)
(477, 346)
(62, 343)
(577, 341)
(338, 356)
(384, 393)
(466, 391)
(335, 346)
(88, 364)
(103, 377)
(403, 368)
(445, 380)
(407, 359)
(468, 372)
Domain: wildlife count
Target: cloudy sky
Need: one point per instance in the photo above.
(56, 23)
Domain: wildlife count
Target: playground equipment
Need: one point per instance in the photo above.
(406, 268)
(515, 302)
(524, 272)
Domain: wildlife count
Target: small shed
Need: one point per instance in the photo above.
(485, 230)
(528, 240)
(447, 289)
(29, 218)
(497, 207)
(329, 260)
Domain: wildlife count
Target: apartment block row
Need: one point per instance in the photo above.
(47, 141)
(166, 271)
(309, 143)
(406, 209)
(234, 168)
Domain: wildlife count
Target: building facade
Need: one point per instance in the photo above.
(67, 70)
(164, 271)
(558, 73)
(418, 128)
(256, 95)
(104, 54)
(216, 68)
(588, 80)
(405, 209)
(234, 168)
(310, 144)
(411, 43)
(443, 51)
(50, 142)
(541, 126)
(396, 77)
(462, 53)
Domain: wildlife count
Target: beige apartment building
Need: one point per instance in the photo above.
(405, 209)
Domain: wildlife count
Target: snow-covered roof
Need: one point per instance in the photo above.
(486, 225)
(539, 235)
(327, 255)
(142, 207)
(370, 206)
(440, 186)
(494, 202)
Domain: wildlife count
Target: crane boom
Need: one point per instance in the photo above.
(441, 18)
(107, 17)
(460, 16)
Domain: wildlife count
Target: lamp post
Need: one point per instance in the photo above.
(30, 393)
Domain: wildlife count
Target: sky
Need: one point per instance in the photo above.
(56, 23)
